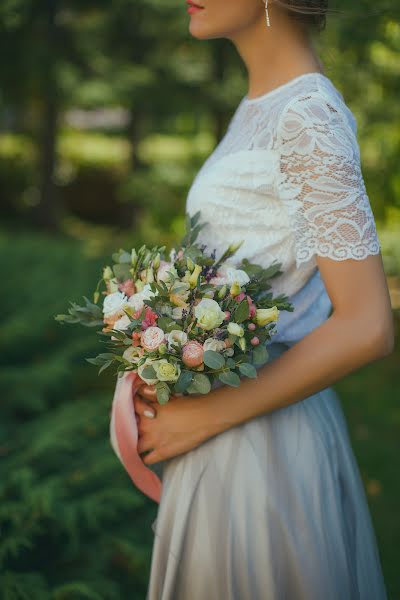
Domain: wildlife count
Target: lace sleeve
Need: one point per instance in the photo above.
(321, 183)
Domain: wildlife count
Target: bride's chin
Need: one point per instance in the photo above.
(201, 32)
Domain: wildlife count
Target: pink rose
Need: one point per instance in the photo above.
(152, 337)
(192, 354)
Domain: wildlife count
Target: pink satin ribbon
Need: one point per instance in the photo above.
(124, 436)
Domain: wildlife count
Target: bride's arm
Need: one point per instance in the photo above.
(359, 331)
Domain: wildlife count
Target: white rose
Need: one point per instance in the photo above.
(122, 323)
(132, 354)
(235, 329)
(208, 313)
(177, 336)
(214, 344)
(137, 300)
(114, 303)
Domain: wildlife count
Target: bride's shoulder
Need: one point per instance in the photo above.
(317, 106)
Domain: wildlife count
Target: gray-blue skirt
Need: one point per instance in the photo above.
(272, 509)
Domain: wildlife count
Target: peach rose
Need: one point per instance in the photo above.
(192, 354)
(152, 337)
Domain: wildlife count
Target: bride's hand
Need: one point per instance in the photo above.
(176, 427)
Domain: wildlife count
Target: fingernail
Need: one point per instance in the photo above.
(148, 413)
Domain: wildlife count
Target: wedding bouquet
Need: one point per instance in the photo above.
(181, 322)
(184, 322)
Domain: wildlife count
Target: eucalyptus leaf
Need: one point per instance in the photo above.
(248, 370)
(163, 392)
(213, 359)
(183, 382)
(200, 384)
(260, 355)
(229, 378)
(149, 373)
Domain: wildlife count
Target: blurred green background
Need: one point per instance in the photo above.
(107, 112)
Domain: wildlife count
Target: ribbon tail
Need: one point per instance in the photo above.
(124, 437)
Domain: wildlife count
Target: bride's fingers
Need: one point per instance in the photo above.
(143, 408)
(148, 392)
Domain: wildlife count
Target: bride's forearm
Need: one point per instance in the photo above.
(328, 353)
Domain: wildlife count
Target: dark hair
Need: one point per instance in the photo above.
(311, 13)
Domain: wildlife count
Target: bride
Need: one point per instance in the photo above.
(262, 497)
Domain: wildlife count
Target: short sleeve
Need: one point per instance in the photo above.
(320, 181)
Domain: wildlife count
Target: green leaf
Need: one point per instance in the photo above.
(163, 392)
(260, 355)
(121, 272)
(149, 372)
(248, 370)
(125, 258)
(242, 312)
(200, 384)
(183, 382)
(213, 359)
(167, 324)
(230, 363)
(105, 366)
(229, 378)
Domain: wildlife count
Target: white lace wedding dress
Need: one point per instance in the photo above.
(275, 509)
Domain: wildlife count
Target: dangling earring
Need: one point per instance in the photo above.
(266, 13)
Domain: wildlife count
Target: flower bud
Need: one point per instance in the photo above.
(222, 292)
(235, 289)
(242, 344)
(156, 261)
(108, 273)
(139, 285)
(195, 275)
(162, 348)
(254, 341)
(235, 247)
(189, 264)
(235, 329)
(149, 275)
(134, 257)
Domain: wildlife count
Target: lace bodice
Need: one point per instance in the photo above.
(286, 178)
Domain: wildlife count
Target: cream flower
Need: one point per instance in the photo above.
(235, 329)
(114, 303)
(266, 315)
(208, 314)
(163, 272)
(166, 371)
(132, 354)
(137, 300)
(214, 344)
(122, 323)
(176, 336)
